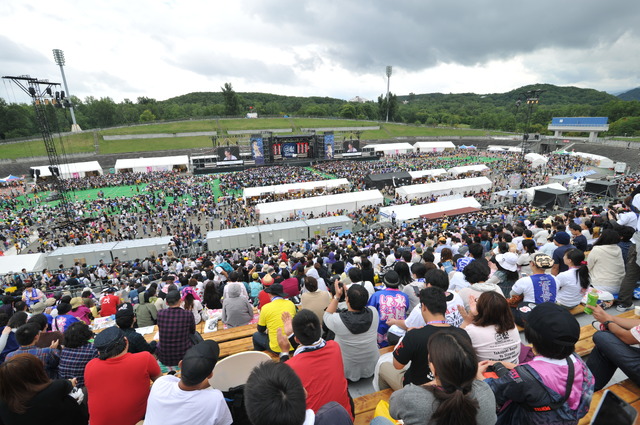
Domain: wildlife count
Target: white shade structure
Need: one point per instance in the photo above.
(318, 205)
(407, 212)
(468, 169)
(421, 173)
(75, 170)
(475, 184)
(433, 146)
(391, 148)
(147, 165)
(250, 192)
(15, 263)
(601, 161)
(536, 160)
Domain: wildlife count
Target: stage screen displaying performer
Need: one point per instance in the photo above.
(328, 145)
(229, 153)
(256, 149)
(351, 146)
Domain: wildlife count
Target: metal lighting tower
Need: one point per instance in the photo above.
(40, 97)
(389, 71)
(58, 56)
(532, 98)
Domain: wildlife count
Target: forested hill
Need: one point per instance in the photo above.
(633, 94)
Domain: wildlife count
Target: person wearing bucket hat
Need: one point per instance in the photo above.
(190, 398)
(391, 303)
(118, 378)
(538, 288)
(507, 271)
(270, 319)
(564, 394)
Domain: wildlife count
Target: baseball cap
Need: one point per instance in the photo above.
(554, 322)
(108, 338)
(542, 260)
(199, 361)
(125, 310)
(173, 297)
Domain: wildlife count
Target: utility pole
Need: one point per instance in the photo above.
(389, 71)
(58, 56)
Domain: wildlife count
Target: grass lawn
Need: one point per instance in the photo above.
(171, 127)
(74, 143)
(165, 143)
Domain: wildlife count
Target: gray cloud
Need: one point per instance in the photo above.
(420, 34)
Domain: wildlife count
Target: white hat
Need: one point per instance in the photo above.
(508, 261)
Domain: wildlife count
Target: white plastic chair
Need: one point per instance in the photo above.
(234, 370)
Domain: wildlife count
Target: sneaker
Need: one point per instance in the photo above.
(598, 326)
(622, 308)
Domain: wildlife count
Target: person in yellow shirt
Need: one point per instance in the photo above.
(271, 319)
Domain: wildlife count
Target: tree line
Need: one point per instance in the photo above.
(491, 111)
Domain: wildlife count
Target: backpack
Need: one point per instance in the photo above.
(226, 266)
(234, 397)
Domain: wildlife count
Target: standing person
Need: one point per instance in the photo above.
(175, 327)
(118, 381)
(391, 303)
(28, 396)
(356, 332)
(271, 319)
(556, 386)
(456, 396)
(414, 346)
(190, 398)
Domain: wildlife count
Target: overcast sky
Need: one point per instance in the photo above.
(337, 48)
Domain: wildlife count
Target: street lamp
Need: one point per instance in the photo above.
(58, 56)
(389, 71)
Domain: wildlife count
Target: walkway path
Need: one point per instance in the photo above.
(320, 173)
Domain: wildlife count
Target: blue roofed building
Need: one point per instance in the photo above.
(591, 125)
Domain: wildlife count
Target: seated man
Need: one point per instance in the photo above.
(391, 304)
(125, 319)
(274, 395)
(27, 336)
(175, 327)
(117, 381)
(317, 362)
(413, 348)
(190, 398)
(613, 348)
(538, 288)
(271, 319)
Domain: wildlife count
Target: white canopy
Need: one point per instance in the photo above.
(529, 192)
(474, 184)
(146, 165)
(601, 161)
(15, 263)
(72, 171)
(292, 187)
(318, 205)
(391, 148)
(467, 168)
(409, 212)
(422, 173)
(433, 146)
(536, 160)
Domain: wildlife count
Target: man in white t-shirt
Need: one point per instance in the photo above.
(189, 399)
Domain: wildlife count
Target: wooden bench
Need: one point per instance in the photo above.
(626, 390)
(579, 309)
(221, 335)
(366, 405)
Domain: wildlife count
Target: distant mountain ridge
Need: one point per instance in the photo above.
(633, 94)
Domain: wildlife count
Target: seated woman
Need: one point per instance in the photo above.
(606, 267)
(28, 396)
(455, 396)
(477, 273)
(572, 284)
(553, 388)
(491, 327)
(236, 309)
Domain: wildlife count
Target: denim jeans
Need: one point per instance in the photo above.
(260, 341)
(609, 354)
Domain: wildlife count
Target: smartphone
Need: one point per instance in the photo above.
(613, 410)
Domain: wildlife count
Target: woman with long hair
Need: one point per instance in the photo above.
(605, 263)
(454, 396)
(491, 327)
(211, 296)
(446, 260)
(190, 303)
(572, 284)
(404, 273)
(528, 248)
(28, 396)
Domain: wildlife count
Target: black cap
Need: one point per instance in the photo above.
(555, 323)
(275, 289)
(125, 310)
(108, 338)
(173, 297)
(199, 361)
(392, 279)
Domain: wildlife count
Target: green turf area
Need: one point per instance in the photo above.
(321, 174)
(159, 144)
(74, 143)
(171, 127)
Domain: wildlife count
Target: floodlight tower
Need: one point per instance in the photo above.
(389, 71)
(58, 56)
(532, 98)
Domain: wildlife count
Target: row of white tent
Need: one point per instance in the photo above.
(455, 187)
(317, 205)
(250, 192)
(406, 212)
(405, 148)
(529, 192)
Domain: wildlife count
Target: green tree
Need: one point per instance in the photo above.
(231, 100)
(347, 111)
(147, 116)
(393, 107)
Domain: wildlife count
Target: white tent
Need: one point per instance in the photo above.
(536, 160)
(475, 184)
(146, 165)
(467, 169)
(250, 192)
(601, 161)
(433, 146)
(391, 148)
(140, 248)
(318, 205)
(410, 212)
(75, 170)
(422, 173)
(15, 263)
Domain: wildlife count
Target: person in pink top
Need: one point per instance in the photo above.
(80, 311)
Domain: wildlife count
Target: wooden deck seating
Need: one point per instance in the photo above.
(366, 405)
(626, 390)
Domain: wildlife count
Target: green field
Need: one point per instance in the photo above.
(83, 142)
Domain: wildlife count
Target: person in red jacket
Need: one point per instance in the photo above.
(317, 362)
(109, 302)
